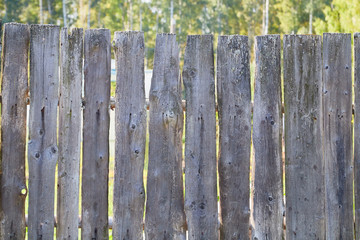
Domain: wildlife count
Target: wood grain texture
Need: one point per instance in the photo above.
(338, 136)
(130, 125)
(95, 170)
(304, 164)
(14, 88)
(71, 61)
(357, 135)
(1, 33)
(234, 107)
(165, 216)
(266, 176)
(42, 145)
(200, 143)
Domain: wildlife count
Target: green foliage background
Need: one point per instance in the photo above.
(190, 16)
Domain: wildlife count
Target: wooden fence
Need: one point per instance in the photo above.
(321, 169)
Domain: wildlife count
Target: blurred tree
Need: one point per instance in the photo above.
(340, 16)
(184, 17)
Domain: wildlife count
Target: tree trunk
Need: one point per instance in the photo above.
(50, 10)
(131, 14)
(88, 24)
(266, 17)
(219, 16)
(172, 20)
(41, 13)
(140, 17)
(311, 16)
(64, 12)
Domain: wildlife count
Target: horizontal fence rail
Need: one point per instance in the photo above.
(179, 175)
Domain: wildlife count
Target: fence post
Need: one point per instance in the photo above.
(267, 191)
(42, 145)
(200, 145)
(234, 108)
(357, 135)
(14, 88)
(304, 164)
(71, 61)
(95, 171)
(337, 102)
(165, 216)
(130, 125)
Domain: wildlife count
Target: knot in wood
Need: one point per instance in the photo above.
(53, 149)
(168, 116)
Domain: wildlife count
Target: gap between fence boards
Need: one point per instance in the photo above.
(112, 104)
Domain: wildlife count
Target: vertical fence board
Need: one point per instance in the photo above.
(97, 70)
(357, 135)
(234, 107)
(130, 125)
(14, 88)
(42, 145)
(267, 191)
(304, 165)
(71, 61)
(1, 35)
(200, 145)
(165, 216)
(337, 92)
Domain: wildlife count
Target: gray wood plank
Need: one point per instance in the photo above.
(357, 134)
(234, 108)
(71, 61)
(200, 143)
(130, 125)
(1, 35)
(95, 168)
(42, 145)
(337, 102)
(14, 88)
(266, 176)
(304, 164)
(165, 216)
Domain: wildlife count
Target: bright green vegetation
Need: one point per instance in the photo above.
(191, 17)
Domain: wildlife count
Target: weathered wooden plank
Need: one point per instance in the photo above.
(357, 135)
(42, 145)
(304, 164)
(14, 88)
(200, 143)
(338, 136)
(94, 192)
(71, 61)
(1, 35)
(165, 216)
(267, 190)
(130, 125)
(234, 107)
